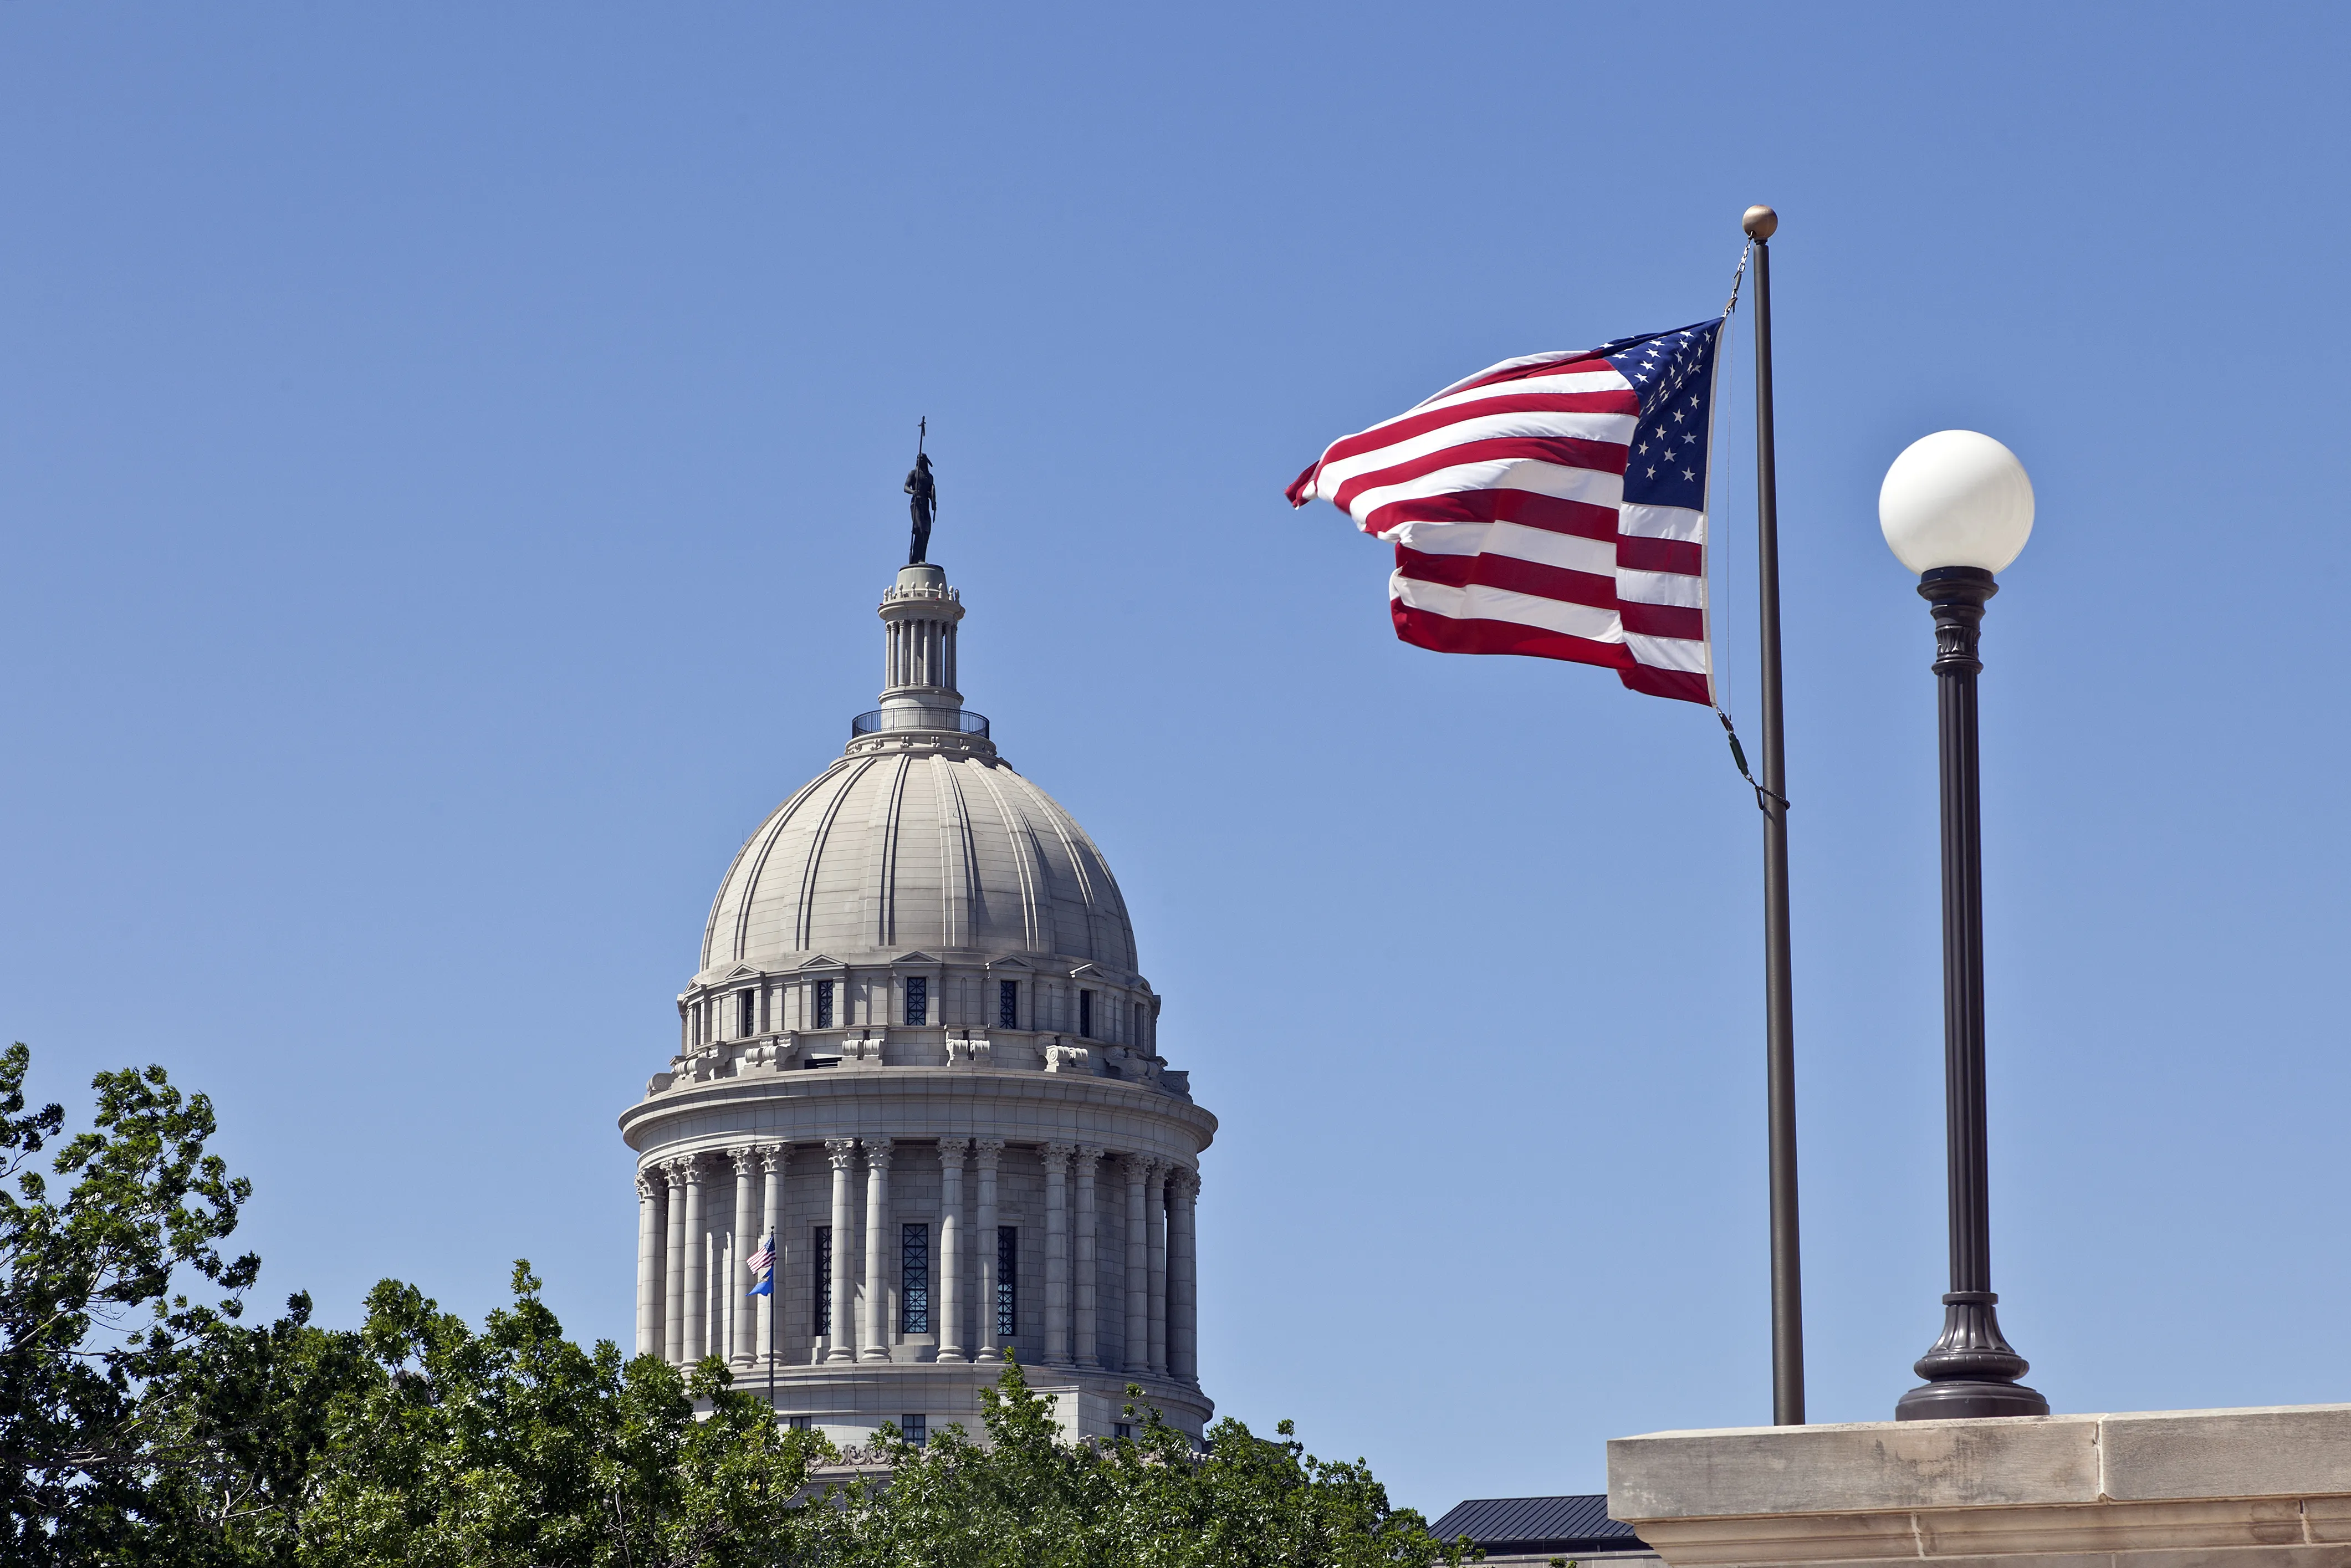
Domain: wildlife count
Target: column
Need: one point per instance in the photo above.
(1087, 1268)
(1155, 1217)
(1138, 1169)
(738, 1292)
(697, 1264)
(773, 1161)
(875, 1345)
(1056, 1158)
(1183, 1280)
(842, 1152)
(651, 1201)
(984, 1153)
(951, 1158)
(674, 1276)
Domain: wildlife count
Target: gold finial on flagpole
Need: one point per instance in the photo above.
(1760, 223)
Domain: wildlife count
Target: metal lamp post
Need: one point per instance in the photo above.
(1956, 507)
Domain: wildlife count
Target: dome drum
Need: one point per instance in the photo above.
(916, 1011)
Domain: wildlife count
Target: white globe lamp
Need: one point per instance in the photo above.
(1955, 498)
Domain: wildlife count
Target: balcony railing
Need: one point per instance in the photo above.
(949, 720)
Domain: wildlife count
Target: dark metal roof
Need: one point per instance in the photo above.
(1539, 1524)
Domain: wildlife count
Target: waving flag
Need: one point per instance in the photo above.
(1552, 506)
(762, 1265)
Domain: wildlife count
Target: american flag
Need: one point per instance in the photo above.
(762, 1265)
(1552, 506)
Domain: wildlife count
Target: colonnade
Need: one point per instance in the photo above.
(684, 1312)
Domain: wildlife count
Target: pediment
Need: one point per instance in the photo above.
(739, 972)
(913, 958)
(822, 961)
(1012, 963)
(1092, 971)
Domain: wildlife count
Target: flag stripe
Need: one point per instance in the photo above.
(1447, 635)
(1597, 590)
(1601, 416)
(1533, 612)
(1596, 457)
(1573, 551)
(1373, 507)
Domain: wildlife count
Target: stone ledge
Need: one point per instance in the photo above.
(1874, 1465)
(2280, 1451)
(2179, 1489)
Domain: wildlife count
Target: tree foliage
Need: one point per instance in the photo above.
(514, 1447)
(139, 1426)
(88, 1319)
(1026, 1496)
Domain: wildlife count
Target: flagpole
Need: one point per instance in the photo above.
(775, 1305)
(1779, 1001)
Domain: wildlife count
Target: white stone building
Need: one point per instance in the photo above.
(920, 1054)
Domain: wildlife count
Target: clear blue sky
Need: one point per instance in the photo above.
(448, 457)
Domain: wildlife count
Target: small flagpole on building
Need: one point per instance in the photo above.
(1778, 1002)
(775, 1305)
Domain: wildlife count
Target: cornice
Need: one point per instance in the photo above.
(920, 1088)
(830, 962)
(898, 1082)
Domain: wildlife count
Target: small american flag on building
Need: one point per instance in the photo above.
(1552, 506)
(762, 1265)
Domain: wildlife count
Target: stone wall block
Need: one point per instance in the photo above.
(1863, 1466)
(2181, 1488)
(2229, 1453)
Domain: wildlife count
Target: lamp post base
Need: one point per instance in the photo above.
(1966, 1400)
(1972, 1370)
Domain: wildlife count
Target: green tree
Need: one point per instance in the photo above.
(1028, 1496)
(514, 1447)
(88, 1319)
(237, 1428)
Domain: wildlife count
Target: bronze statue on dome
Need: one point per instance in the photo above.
(922, 497)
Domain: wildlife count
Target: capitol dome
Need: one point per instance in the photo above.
(894, 848)
(918, 1080)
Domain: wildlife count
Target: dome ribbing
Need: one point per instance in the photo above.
(918, 846)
